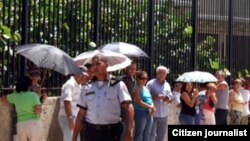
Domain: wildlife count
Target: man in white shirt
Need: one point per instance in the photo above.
(71, 91)
(161, 95)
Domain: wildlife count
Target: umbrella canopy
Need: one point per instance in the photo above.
(126, 49)
(50, 57)
(116, 61)
(197, 76)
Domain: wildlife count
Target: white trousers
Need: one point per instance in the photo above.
(30, 130)
(209, 118)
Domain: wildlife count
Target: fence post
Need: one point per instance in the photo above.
(24, 33)
(151, 37)
(230, 36)
(194, 34)
(96, 21)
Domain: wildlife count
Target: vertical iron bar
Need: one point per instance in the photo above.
(2, 53)
(84, 19)
(96, 21)
(39, 21)
(8, 72)
(44, 23)
(194, 34)
(151, 37)
(79, 28)
(53, 22)
(230, 35)
(63, 21)
(49, 23)
(70, 19)
(24, 32)
(34, 7)
(15, 27)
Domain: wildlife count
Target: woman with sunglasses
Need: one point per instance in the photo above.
(34, 75)
(144, 108)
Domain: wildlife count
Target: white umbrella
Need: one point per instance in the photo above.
(126, 49)
(197, 76)
(116, 61)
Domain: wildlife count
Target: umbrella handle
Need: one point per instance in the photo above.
(44, 75)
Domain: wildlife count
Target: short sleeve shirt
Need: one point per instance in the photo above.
(25, 103)
(103, 101)
(71, 91)
(155, 88)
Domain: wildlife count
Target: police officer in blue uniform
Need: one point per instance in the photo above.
(100, 106)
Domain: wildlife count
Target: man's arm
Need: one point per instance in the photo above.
(167, 100)
(67, 108)
(79, 122)
(158, 96)
(221, 86)
(129, 110)
(126, 104)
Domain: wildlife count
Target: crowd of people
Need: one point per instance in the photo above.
(97, 106)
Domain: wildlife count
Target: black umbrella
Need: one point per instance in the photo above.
(50, 57)
(129, 50)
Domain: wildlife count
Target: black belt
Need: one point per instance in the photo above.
(102, 126)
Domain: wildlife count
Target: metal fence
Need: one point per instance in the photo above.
(183, 35)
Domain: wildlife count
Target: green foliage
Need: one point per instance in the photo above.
(188, 31)
(66, 27)
(6, 32)
(69, 25)
(243, 73)
(1, 5)
(227, 72)
(246, 72)
(92, 44)
(214, 64)
(8, 39)
(128, 21)
(172, 38)
(207, 54)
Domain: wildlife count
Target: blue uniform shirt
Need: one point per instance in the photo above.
(103, 101)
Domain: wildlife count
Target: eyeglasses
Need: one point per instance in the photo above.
(34, 74)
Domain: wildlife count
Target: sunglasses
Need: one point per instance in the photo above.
(34, 74)
(143, 78)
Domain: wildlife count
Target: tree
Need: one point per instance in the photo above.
(8, 39)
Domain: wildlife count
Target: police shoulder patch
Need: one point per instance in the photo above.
(114, 80)
(89, 93)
